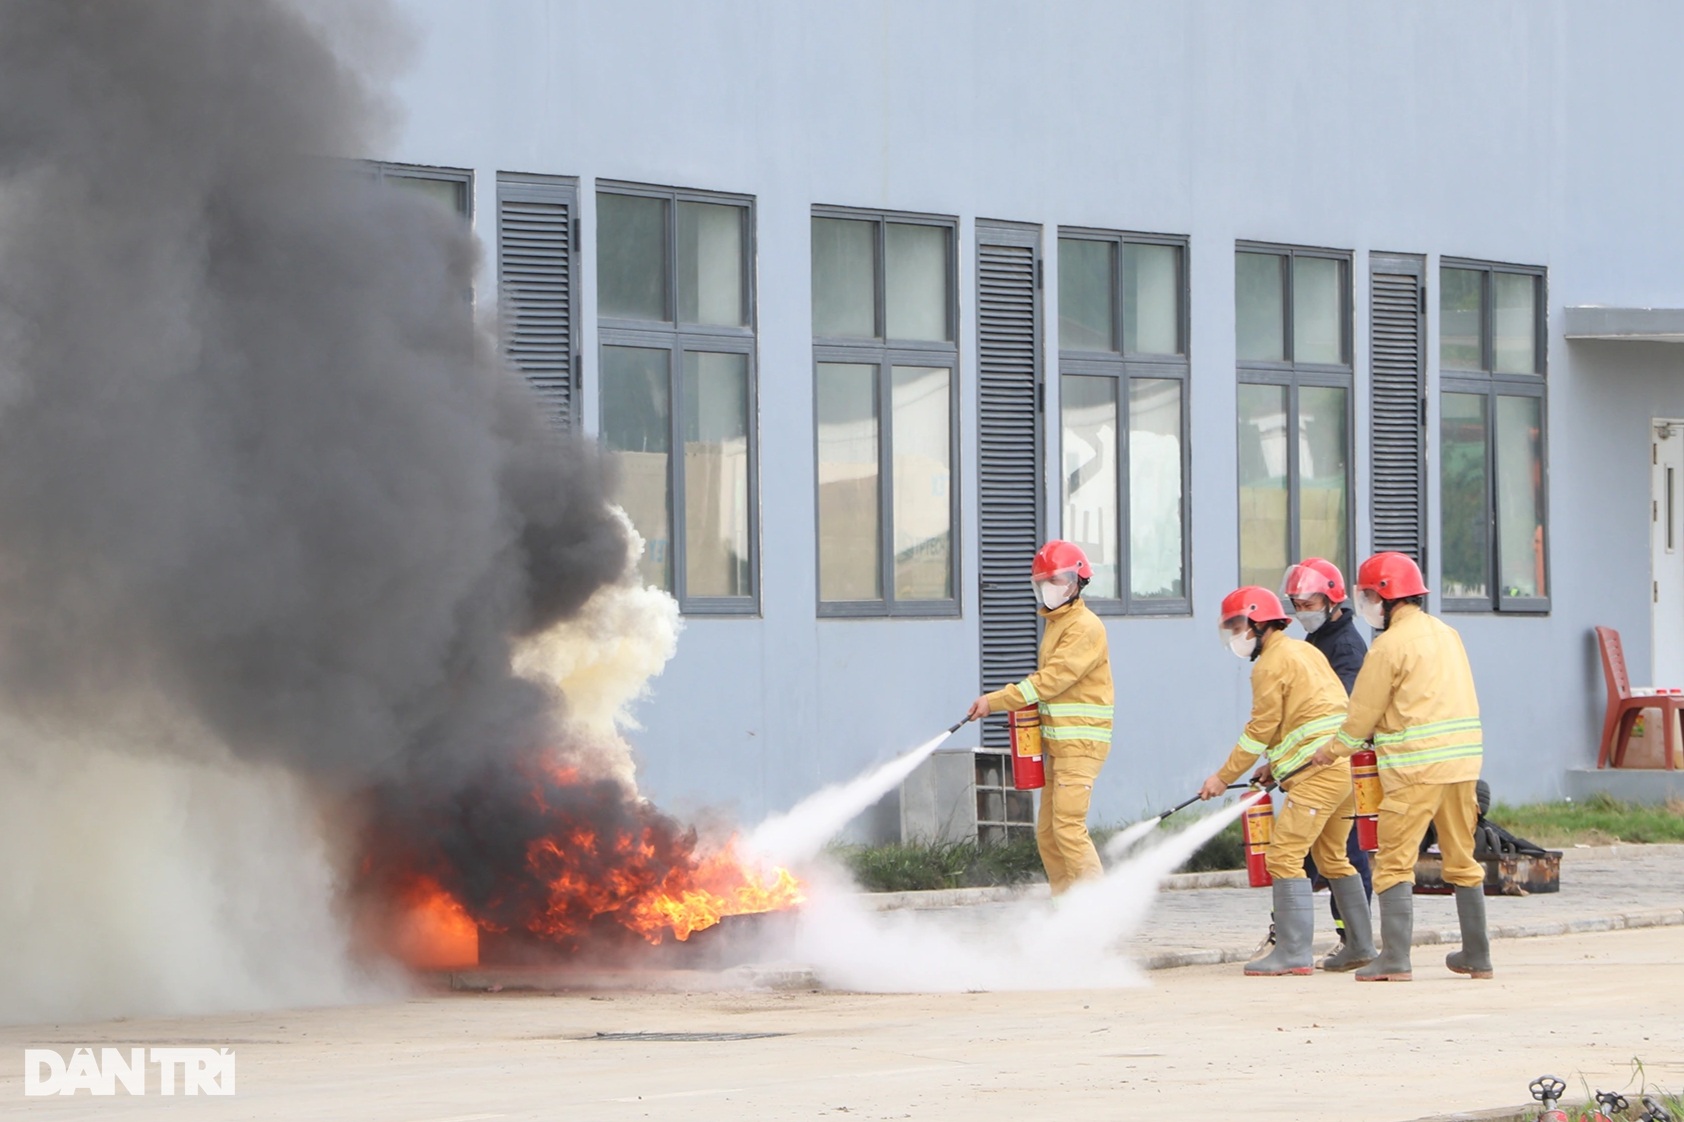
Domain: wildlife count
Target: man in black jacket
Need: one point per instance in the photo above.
(1316, 589)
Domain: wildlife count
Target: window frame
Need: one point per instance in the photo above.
(885, 354)
(462, 177)
(1491, 385)
(1294, 376)
(678, 339)
(1123, 367)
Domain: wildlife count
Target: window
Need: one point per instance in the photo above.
(676, 334)
(1292, 317)
(1492, 468)
(451, 188)
(885, 393)
(1122, 338)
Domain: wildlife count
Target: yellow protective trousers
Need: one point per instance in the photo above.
(1061, 828)
(1314, 817)
(1404, 814)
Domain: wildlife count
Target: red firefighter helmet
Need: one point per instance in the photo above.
(1390, 576)
(1258, 605)
(1314, 576)
(1060, 557)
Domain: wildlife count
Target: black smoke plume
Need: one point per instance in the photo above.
(258, 467)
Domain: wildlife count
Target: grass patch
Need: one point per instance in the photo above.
(1598, 820)
(923, 866)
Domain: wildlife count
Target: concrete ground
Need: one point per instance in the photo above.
(1198, 1041)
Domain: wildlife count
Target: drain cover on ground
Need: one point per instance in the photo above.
(686, 1035)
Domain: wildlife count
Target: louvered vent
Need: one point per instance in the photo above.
(535, 275)
(1009, 457)
(1397, 386)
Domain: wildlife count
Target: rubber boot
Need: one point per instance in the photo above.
(1474, 959)
(1358, 947)
(1397, 931)
(1295, 921)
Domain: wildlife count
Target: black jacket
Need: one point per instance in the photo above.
(1337, 639)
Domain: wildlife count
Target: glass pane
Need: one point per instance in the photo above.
(1520, 495)
(1467, 550)
(1324, 449)
(1458, 319)
(1318, 310)
(1155, 489)
(710, 264)
(848, 514)
(1087, 273)
(1089, 446)
(716, 545)
(1515, 339)
(1259, 308)
(631, 257)
(915, 297)
(922, 481)
(1262, 454)
(635, 428)
(1151, 299)
(452, 194)
(844, 278)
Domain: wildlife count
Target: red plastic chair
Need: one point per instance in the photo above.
(1625, 706)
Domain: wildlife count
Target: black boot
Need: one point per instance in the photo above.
(1295, 921)
(1397, 931)
(1358, 947)
(1474, 959)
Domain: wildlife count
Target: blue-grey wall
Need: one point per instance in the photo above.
(1522, 131)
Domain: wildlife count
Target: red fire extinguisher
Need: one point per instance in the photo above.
(1029, 772)
(1365, 776)
(1256, 828)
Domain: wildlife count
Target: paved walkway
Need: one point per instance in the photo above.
(1602, 888)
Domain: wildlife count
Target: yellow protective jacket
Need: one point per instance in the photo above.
(1072, 688)
(1415, 699)
(1297, 705)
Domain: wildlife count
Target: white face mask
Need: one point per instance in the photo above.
(1373, 613)
(1312, 621)
(1242, 644)
(1054, 594)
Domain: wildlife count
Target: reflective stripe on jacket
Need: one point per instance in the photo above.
(1415, 699)
(1297, 705)
(1072, 688)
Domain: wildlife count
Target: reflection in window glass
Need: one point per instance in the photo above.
(1259, 308)
(1520, 495)
(1317, 310)
(631, 257)
(1263, 484)
(710, 264)
(1458, 319)
(844, 278)
(1087, 273)
(1155, 489)
(716, 546)
(1089, 445)
(1515, 338)
(915, 278)
(1151, 299)
(1323, 452)
(636, 430)
(848, 507)
(1467, 549)
(923, 510)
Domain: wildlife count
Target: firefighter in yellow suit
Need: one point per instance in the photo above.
(1414, 698)
(1297, 705)
(1072, 690)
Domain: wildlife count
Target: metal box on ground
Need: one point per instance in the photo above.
(1508, 875)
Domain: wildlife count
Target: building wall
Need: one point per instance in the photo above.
(1509, 131)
